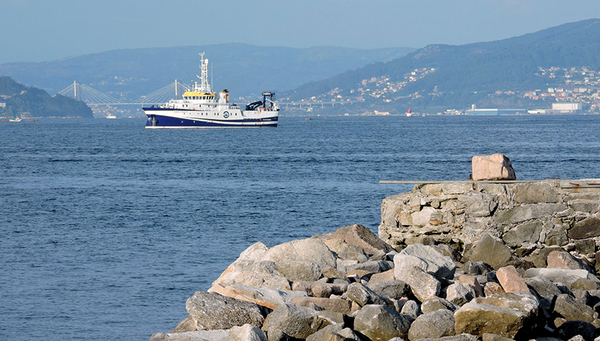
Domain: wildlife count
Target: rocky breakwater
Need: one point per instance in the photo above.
(352, 285)
(521, 220)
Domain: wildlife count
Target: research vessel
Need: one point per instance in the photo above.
(200, 107)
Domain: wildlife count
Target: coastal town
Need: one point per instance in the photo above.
(578, 92)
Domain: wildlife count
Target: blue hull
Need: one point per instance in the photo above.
(160, 121)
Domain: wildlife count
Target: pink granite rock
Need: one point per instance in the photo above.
(510, 280)
(492, 167)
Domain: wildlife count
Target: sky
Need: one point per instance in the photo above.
(46, 30)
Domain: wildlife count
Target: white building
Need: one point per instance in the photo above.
(566, 108)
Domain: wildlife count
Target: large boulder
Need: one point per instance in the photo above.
(381, 323)
(563, 276)
(422, 284)
(563, 260)
(543, 287)
(291, 321)
(431, 260)
(522, 302)
(394, 289)
(477, 319)
(436, 304)
(213, 311)
(362, 237)
(333, 304)
(459, 293)
(362, 295)
(438, 323)
(492, 167)
(490, 251)
(572, 310)
(301, 260)
(587, 228)
(249, 270)
(264, 297)
(510, 280)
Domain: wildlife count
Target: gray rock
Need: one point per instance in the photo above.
(394, 289)
(565, 276)
(476, 268)
(213, 311)
(528, 232)
(362, 295)
(543, 287)
(292, 321)
(523, 213)
(533, 193)
(331, 304)
(563, 260)
(436, 304)
(490, 251)
(301, 260)
(370, 266)
(423, 285)
(249, 270)
(572, 310)
(381, 323)
(411, 308)
(362, 237)
(479, 204)
(477, 319)
(247, 332)
(587, 228)
(521, 302)
(459, 293)
(435, 324)
(335, 332)
(264, 297)
(556, 237)
(202, 335)
(435, 263)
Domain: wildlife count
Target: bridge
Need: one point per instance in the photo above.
(93, 97)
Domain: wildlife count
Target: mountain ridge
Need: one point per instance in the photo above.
(244, 69)
(503, 65)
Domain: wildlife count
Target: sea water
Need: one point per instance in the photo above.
(106, 228)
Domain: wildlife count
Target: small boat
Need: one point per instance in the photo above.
(110, 116)
(200, 107)
(408, 113)
(15, 119)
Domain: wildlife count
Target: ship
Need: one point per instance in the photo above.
(200, 107)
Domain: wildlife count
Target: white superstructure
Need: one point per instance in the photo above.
(203, 108)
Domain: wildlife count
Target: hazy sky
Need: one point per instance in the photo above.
(42, 30)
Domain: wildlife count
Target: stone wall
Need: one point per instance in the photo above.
(533, 218)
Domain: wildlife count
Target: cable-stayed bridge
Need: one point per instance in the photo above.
(94, 97)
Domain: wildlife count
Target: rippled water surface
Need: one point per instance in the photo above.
(107, 228)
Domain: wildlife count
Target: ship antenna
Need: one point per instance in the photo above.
(204, 84)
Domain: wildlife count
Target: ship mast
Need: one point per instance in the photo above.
(204, 84)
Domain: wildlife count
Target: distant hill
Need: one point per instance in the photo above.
(242, 69)
(33, 102)
(446, 76)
